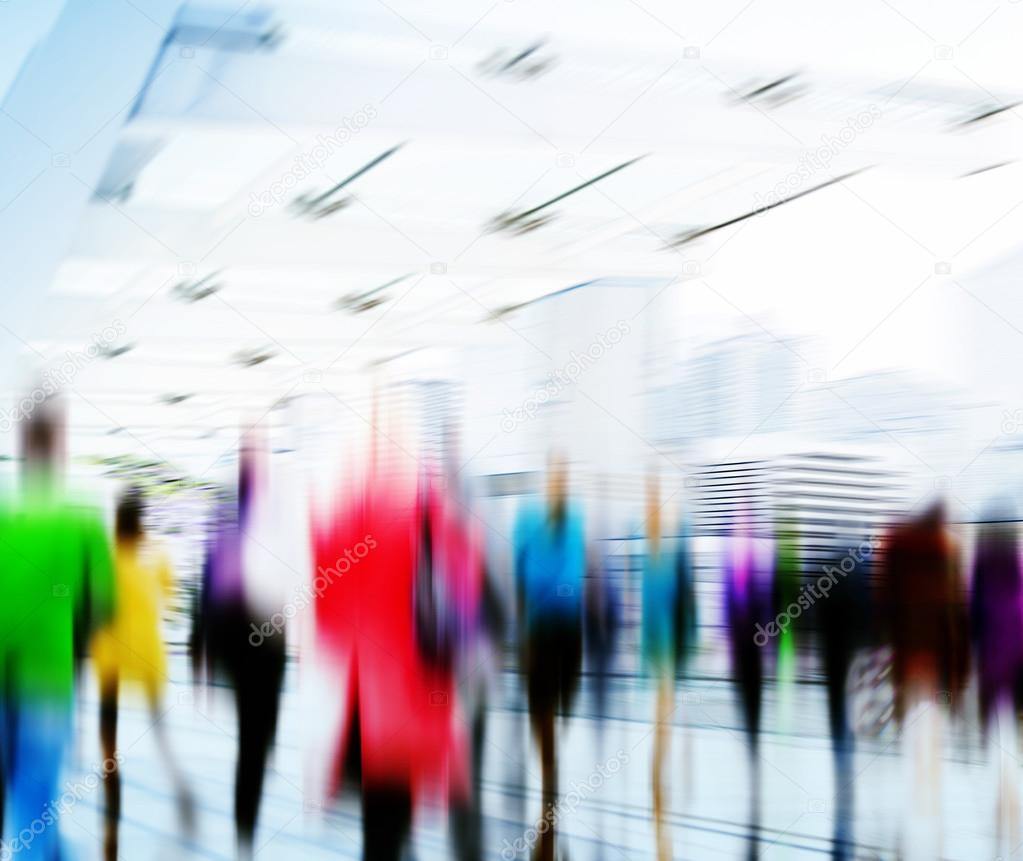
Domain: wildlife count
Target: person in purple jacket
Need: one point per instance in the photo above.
(223, 644)
(996, 611)
(749, 574)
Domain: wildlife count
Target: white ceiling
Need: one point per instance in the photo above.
(662, 80)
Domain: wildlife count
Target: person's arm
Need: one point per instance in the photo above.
(98, 587)
(197, 638)
(166, 576)
(959, 623)
(977, 596)
(495, 625)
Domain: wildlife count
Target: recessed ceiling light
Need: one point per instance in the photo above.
(112, 352)
(173, 399)
(249, 358)
(193, 291)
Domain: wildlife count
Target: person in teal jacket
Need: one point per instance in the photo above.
(659, 635)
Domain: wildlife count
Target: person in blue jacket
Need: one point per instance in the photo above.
(550, 560)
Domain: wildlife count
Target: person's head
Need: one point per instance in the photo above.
(557, 479)
(130, 511)
(998, 528)
(653, 505)
(41, 435)
(251, 467)
(934, 515)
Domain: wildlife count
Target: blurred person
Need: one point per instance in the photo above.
(996, 611)
(234, 634)
(57, 583)
(460, 629)
(601, 625)
(130, 649)
(926, 622)
(602, 615)
(786, 593)
(749, 573)
(550, 561)
(400, 742)
(686, 633)
(658, 646)
(841, 624)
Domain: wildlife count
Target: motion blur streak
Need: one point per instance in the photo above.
(487, 429)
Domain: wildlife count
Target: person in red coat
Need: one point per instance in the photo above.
(401, 734)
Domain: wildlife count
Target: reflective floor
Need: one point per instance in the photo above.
(605, 809)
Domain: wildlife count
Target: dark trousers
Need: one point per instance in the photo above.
(256, 674)
(386, 822)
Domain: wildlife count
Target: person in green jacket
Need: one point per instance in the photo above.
(56, 586)
(787, 578)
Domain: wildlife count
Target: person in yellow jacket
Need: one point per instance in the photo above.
(130, 649)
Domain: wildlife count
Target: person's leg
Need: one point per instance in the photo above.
(386, 822)
(186, 804)
(7, 712)
(258, 698)
(566, 651)
(467, 814)
(662, 736)
(549, 773)
(751, 691)
(921, 737)
(543, 696)
(111, 766)
(42, 734)
(1002, 747)
(688, 783)
(244, 803)
(842, 748)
